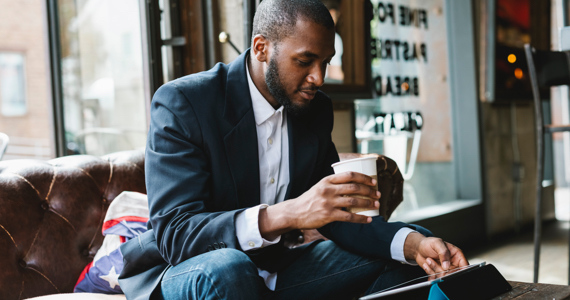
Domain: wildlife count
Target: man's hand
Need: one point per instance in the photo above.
(322, 204)
(433, 254)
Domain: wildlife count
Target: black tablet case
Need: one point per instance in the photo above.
(477, 284)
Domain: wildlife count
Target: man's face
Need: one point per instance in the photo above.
(297, 65)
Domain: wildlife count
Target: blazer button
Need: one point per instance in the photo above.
(210, 248)
(216, 246)
(223, 245)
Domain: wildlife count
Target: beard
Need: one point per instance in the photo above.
(277, 90)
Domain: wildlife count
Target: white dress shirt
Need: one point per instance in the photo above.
(273, 149)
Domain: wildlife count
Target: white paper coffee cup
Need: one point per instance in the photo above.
(363, 165)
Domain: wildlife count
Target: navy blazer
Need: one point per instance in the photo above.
(202, 169)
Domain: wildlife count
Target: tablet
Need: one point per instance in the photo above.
(420, 282)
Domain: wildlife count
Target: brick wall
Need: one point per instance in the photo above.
(22, 30)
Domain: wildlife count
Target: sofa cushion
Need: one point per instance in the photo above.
(51, 214)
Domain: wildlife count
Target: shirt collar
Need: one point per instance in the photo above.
(262, 110)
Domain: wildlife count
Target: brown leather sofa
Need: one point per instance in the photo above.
(51, 213)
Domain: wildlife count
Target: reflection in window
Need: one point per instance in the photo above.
(335, 73)
(349, 69)
(512, 32)
(102, 74)
(12, 84)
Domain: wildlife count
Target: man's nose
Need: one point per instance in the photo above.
(317, 76)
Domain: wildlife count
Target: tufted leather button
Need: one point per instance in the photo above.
(300, 239)
(74, 186)
(85, 252)
(223, 245)
(45, 205)
(216, 246)
(210, 248)
(104, 199)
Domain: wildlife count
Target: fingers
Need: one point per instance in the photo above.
(444, 256)
(344, 216)
(427, 266)
(457, 257)
(436, 257)
(353, 183)
(355, 177)
(432, 268)
(357, 189)
(428, 269)
(437, 268)
(356, 202)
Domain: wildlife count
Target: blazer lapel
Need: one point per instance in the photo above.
(303, 150)
(241, 142)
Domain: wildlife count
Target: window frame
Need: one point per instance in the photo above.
(54, 66)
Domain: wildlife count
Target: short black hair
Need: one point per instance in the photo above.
(276, 19)
(332, 4)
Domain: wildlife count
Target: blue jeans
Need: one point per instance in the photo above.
(323, 272)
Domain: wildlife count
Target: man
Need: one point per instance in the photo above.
(226, 147)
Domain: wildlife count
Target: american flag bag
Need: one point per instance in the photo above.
(126, 218)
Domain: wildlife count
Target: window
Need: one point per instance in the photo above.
(12, 84)
(425, 116)
(101, 65)
(25, 113)
(106, 63)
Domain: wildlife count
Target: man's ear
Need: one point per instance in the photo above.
(260, 48)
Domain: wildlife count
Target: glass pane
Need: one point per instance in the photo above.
(513, 31)
(12, 84)
(165, 33)
(348, 66)
(402, 136)
(102, 74)
(24, 96)
(411, 120)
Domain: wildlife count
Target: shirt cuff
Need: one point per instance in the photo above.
(397, 246)
(247, 229)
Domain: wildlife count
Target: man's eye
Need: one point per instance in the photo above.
(304, 63)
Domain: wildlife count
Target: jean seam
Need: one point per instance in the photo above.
(330, 275)
(206, 275)
(181, 273)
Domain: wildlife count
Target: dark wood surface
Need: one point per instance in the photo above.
(526, 290)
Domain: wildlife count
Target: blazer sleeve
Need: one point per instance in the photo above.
(177, 180)
(371, 240)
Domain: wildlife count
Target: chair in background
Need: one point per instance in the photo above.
(4, 140)
(546, 69)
